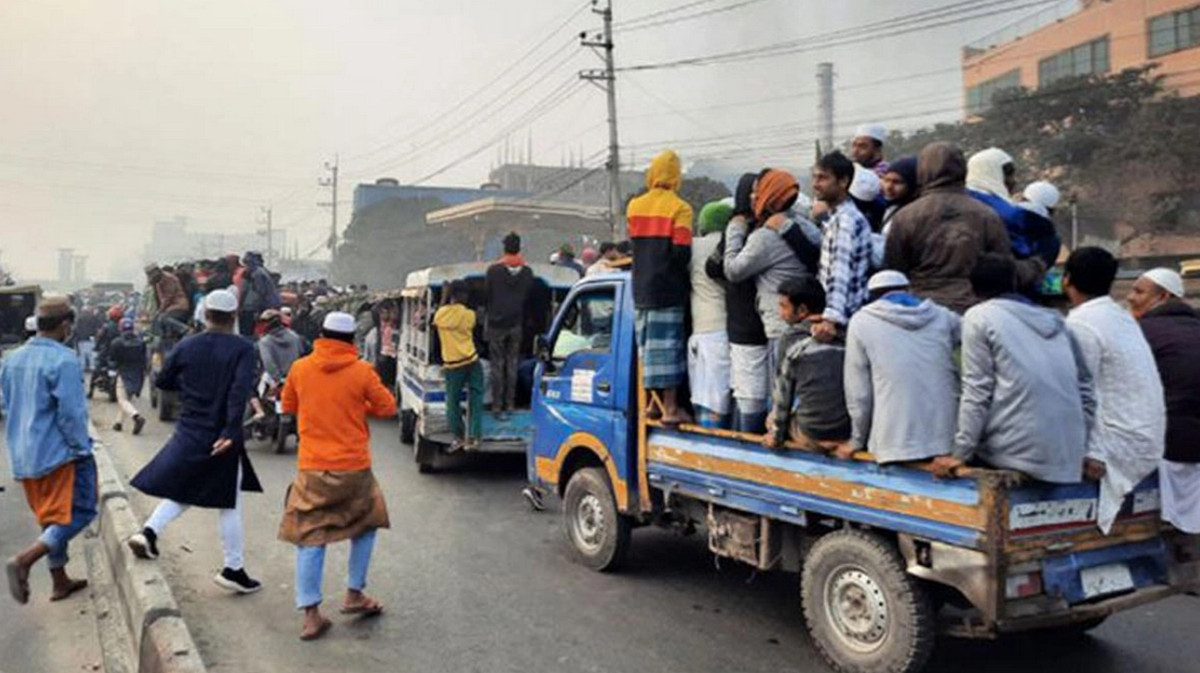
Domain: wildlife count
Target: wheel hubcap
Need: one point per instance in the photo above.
(857, 607)
(589, 523)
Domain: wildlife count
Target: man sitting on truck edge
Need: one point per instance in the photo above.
(1026, 396)
(660, 226)
(455, 324)
(901, 381)
(1126, 441)
(1173, 330)
(809, 396)
(506, 288)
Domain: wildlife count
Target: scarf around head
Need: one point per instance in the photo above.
(906, 168)
(776, 192)
(985, 173)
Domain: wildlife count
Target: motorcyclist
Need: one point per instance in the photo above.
(279, 347)
(258, 292)
(172, 308)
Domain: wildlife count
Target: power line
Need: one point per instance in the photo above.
(689, 17)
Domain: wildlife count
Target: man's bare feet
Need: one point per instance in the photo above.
(315, 624)
(358, 603)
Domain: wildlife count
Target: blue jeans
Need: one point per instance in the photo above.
(83, 511)
(310, 567)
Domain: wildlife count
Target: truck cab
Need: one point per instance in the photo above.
(888, 556)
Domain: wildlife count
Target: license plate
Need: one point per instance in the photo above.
(1106, 579)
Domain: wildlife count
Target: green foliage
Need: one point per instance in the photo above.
(700, 190)
(1119, 144)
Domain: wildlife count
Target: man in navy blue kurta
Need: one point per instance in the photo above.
(204, 464)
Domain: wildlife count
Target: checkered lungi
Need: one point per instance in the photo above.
(661, 346)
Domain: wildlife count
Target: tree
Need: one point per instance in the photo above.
(701, 190)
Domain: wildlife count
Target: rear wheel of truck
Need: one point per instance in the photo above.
(599, 535)
(408, 426)
(864, 612)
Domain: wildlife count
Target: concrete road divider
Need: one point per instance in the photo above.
(157, 631)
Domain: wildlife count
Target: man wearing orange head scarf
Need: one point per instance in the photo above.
(660, 227)
(764, 256)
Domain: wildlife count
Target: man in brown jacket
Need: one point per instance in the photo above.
(937, 239)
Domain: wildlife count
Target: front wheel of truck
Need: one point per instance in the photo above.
(598, 533)
(864, 612)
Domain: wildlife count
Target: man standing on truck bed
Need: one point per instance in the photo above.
(660, 226)
(506, 288)
(1126, 441)
(1173, 330)
(1026, 396)
(455, 323)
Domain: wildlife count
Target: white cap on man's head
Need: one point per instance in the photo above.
(886, 280)
(221, 301)
(31, 323)
(866, 185)
(876, 131)
(1167, 279)
(342, 323)
(1042, 193)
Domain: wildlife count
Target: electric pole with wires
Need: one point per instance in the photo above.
(332, 183)
(609, 78)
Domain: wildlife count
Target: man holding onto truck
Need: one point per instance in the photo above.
(506, 288)
(901, 381)
(660, 226)
(1173, 330)
(1126, 441)
(334, 496)
(1026, 396)
(809, 401)
(455, 323)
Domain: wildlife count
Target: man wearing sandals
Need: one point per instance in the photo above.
(334, 496)
(50, 450)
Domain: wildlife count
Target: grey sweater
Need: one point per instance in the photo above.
(808, 393)
(901, 382)
(1026, 394)
(765, 257)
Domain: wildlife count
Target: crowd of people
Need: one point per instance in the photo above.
(902, 313)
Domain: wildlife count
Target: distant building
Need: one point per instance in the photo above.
(387, 189)
(543, 225)
(1086, 37)
(172, 241)
(577, 185)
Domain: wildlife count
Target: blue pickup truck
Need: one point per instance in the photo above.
(888, 557)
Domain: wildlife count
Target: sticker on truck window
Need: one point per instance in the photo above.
(1051, 513)
(581, 385)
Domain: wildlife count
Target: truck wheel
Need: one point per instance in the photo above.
(864, 612)
(425, 452)
(599, 535)
(408, 426)
(112, 392)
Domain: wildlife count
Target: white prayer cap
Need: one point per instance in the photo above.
(1034, 207)
(221, 301)
(876, 131)
(1167, 279)
(31, 323)
(341, 323)
(1043, 193)
(886, 280)
(286, 310)
(866, 185)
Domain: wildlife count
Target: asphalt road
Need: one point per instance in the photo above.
(474, 581)
(41, 637)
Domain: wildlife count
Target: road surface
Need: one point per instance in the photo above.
(41, 637)
(474, 581)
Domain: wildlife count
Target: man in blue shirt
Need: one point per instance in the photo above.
(49, 447)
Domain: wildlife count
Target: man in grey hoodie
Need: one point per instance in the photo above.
(279, 347)
(1027, 397)
(901, 382)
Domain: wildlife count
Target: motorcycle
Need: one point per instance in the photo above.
(105, 380)
(275, 426)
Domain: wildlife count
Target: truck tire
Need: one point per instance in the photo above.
(598, 533)
(864, 612)
(408, 426)
(425, 453)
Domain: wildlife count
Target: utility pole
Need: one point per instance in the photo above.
(332, 183)
(825, 105)
(609, 77)
(270, 237)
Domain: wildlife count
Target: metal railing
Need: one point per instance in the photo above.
(1026, 25)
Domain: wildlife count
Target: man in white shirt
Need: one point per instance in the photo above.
(1126, 441)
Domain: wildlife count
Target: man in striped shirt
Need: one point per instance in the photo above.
(845, 246)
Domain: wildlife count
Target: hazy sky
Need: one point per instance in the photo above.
(121, 112)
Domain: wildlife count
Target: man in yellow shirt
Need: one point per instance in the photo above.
(455, 323)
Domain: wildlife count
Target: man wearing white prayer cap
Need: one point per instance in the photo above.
(866, 148)
(1041, 197)
(1172, 329)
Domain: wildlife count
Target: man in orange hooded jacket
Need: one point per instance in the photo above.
(334, 496)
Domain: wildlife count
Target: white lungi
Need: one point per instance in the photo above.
(1179, 486)
(709, 367)
(751, 376)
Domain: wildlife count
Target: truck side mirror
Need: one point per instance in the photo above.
(542, 349)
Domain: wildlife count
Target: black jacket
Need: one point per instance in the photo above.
(1173, 331)
(742, 321)
(507, 290)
